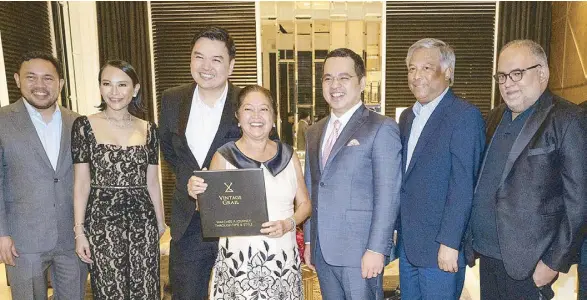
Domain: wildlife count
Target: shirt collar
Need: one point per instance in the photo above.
(430, 106)
(219, 102)
(34, 113)
(346, 116)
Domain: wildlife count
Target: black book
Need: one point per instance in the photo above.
(234, 203)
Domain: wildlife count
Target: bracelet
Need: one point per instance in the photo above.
(293, 223)
(79, 225)
(81, 234)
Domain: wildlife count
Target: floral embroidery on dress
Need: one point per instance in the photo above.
(257, 275)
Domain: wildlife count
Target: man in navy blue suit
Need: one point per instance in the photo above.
(443, 140)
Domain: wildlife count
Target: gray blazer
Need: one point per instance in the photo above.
(36, 202)
(355, 198)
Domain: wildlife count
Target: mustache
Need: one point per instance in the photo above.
(42, 90)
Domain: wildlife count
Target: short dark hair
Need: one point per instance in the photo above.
(304, 114)
(135, 107)
(216, 34)
(41, 55)
(345, 52)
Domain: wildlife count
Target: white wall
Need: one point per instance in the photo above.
(3, 83)
(83, 55)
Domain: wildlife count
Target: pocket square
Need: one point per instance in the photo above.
(353, 142)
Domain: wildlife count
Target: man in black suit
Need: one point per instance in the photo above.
(582, 266)
(529, 207)
(287, 130)
(196, 119)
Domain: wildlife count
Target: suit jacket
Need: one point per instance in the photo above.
(36, 202)
(541, 199)
(355, 197)
(176, 104)
(437, 188)
(583, 254)
(301, 134)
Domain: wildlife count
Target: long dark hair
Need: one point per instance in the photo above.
(135, 107)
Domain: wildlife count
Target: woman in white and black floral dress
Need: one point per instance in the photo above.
(117, 205)
(266, 266)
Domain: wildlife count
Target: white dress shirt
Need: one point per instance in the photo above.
(203, 124)
(422, 114)
(344, 119)
(49, 133)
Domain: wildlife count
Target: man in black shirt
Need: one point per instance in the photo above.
(529, 206)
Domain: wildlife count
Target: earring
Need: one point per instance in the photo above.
(274, 125)
(239, 124)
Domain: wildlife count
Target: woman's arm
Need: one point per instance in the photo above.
(154, 189)
(302, 210)
(81, 192)
(303, 206)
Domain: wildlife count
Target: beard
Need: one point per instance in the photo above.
(41, 105)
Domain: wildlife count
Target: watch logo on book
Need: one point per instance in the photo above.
(228, 188)
(229, 199)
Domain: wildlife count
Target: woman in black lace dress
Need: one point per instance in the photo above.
(117, 204)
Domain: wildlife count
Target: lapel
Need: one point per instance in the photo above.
(318, 139)
(355, 122)
(185, 106)
(22, 120)
(65, 144)
(405, 135)
(225, 122)
(532, 125)
(432, 125)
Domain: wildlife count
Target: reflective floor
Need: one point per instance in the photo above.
(565, 287)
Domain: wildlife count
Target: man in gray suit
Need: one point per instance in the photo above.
(36, 185)
(353, 174)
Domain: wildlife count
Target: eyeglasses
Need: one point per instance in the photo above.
(515, 75)
(342, 79)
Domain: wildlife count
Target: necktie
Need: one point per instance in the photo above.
(330, 142)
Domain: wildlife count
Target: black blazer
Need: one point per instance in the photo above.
(175, 109)
(541, 199)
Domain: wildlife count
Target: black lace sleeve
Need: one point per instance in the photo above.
(80, 143)
(153, 144)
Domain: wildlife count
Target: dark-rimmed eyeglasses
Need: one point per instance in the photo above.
(515, 75)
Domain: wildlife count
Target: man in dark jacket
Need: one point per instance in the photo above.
(529, 207)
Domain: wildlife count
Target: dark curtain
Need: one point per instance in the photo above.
(25, 27)
(523, 20)
(123, 33)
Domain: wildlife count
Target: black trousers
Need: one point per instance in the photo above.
(191, 260)
(582, 273)
(496, 284)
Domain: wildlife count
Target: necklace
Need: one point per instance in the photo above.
(122, 123)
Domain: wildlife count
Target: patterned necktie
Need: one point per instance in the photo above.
(330, 142)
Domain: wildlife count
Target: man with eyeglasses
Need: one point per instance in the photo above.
(353, 175)
(530, 206)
